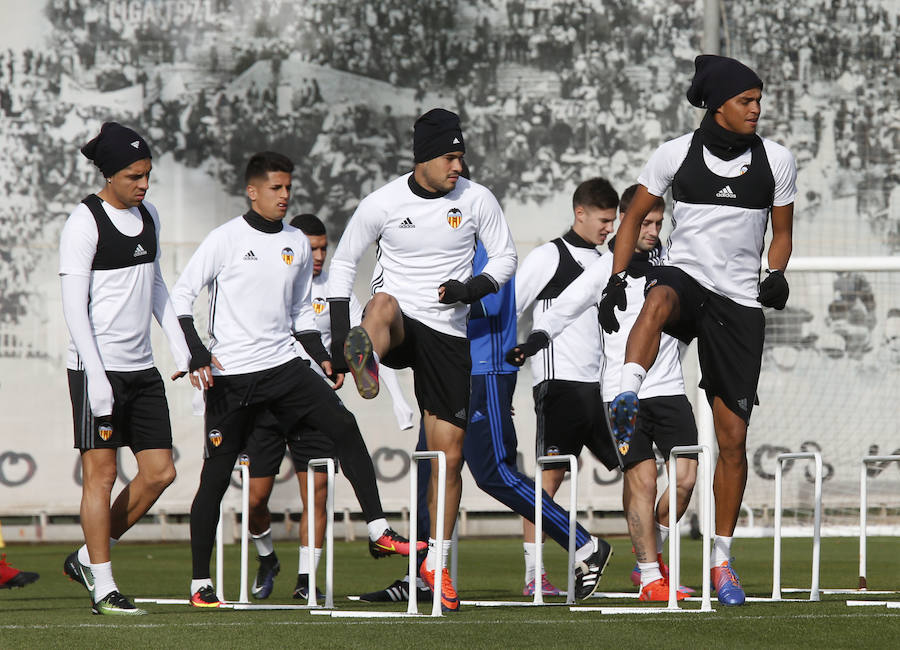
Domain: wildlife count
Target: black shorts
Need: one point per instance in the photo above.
(294, 394)
(266, 447)
(442, 370)
(667, 422)
(729, 338)
(140, 417)
(571, 415)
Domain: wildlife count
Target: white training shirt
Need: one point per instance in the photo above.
(664, 376)
(577, 353)
(259, 293)
(422, 243)
(719, 245)
(121, 301)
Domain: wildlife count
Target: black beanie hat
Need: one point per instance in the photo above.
(717, 79)
(435, 133)
(115, 148)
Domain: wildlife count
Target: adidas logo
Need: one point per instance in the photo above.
(461, 414)
(742, 403)
(477, 416)
(139, 251)
(455, 141)
(250, 256)
(136, 144)
(407, 223)
(726, 193)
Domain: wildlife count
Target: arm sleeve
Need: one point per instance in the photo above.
(75, 298)
(533, 275)
(493, 232)
(584, 291)
(165, 315)
(363, 228)
(402, 410)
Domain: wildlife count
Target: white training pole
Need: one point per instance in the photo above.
(816, 457)
(705, 463)
(328, 464)
(413, 607)
(864, 510)
(539, 523)
(243, 466)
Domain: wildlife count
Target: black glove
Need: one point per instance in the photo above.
(537, 341)
(774, 290)
(475, 289)
(200, 355)
(312, 343)
(339, 311)
(613, 296)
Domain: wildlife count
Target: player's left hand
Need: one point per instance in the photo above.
(336, 377)
(453, 291)
(202, 378)
(774, 290)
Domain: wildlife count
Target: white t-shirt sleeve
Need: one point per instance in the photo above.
(659, 171)
(356, 311)
(303, 318)
(165, 315)
(363, 228)
(784, 169)
(493, 231)
(204, 265)
(78, 243)
(577, 298)
(533, 275)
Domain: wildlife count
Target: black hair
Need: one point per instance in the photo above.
(628, 197)
(310, 224)
(260, 164)
(595, 193)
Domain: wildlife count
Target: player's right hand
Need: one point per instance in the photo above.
(613, 297)
(537, 340)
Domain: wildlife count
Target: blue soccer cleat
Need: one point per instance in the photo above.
(727, 585)
(623, 412)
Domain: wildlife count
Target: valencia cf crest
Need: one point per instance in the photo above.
(215, 437)
(105, 430)
(318, 305)
(287, 254)
(454, 217)
(244, 460)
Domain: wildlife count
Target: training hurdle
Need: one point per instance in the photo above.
(705, 484)
(863, 510)
(328, 464)
(412, 609)
(542, 461)
(816, 457)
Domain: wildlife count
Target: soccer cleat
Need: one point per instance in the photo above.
(78, 572)
(727, 585)
(623, 413)
(449, 599)
(205, 597)
(301, 591)
(360, 358)
(397, 592)
(265, 576)
(588, 572)
(11, 577)
(547, 587)
(115, 604)
(658, 591)
(392, 543)
(663, 569)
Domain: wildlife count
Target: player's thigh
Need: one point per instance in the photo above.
(228, 420)
(562, 419)
(442, 371)
(265, 446)
(146, 413)
(672, 421)
(305, 444)
(491, 435)
(640, 447)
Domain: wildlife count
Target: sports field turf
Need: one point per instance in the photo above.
(55, 613)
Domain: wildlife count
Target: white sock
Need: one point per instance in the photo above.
(263, 543)
(376, 357)
(431, 558)
(721, 550)
(85, 558)
(376, 528)
(304, 559)
(530, 548)
(633, 376)
(585, 551)
(662, 534)
(649, 572)
(197, 585)
(103, 580)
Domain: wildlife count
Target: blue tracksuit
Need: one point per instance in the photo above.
(490, 443)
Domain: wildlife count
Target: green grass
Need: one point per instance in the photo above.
(55, 613)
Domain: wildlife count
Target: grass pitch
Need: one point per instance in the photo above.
(55, 613)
